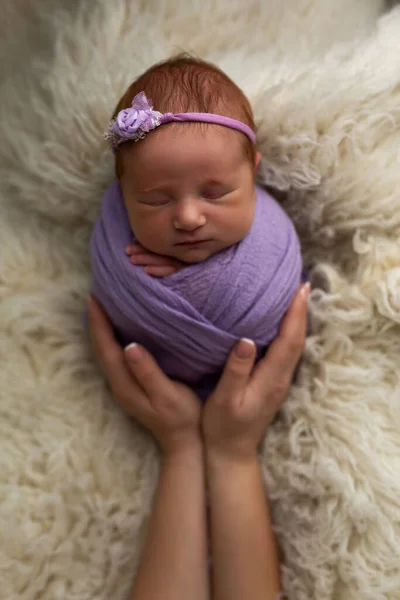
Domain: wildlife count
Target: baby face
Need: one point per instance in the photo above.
(188, 194)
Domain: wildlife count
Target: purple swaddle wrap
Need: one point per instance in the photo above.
(190, 320)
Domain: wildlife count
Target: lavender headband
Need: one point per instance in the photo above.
(133, 123)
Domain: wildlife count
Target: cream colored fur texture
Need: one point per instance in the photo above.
(76, 476)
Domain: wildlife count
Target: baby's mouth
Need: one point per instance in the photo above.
(192, 243)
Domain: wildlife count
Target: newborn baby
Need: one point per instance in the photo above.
(188, 254)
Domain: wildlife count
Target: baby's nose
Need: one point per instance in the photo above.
(189, 216)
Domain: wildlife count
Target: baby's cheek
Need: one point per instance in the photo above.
(152, 232)
(236, 224)
(245, 218)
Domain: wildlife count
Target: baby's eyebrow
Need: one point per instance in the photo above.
(160, 188)
(164, 187)
(214, 182)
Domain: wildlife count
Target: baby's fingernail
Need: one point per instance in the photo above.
(245, 348)
(134, 352)
(305, 290)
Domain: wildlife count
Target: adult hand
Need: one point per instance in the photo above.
(245, 401)
(170, 410)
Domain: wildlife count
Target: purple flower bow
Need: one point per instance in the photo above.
(133, 123)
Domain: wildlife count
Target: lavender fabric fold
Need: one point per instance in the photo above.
(190, 320)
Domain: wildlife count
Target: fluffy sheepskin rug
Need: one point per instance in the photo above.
(76, 476)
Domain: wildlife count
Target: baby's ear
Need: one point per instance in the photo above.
(257, 162)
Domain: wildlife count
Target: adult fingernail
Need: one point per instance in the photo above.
(245, 348)
(133, 352)
(305, 290)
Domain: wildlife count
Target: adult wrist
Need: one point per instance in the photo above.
(226, 472)
(217, 458)
(191, 448)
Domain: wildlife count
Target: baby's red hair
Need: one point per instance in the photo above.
(187, 84)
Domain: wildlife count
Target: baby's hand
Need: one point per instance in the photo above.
(154, 264)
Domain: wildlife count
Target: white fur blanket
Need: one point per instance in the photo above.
(76, 476)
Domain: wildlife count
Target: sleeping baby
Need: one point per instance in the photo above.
(189, 254)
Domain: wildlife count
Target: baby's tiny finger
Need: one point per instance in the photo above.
(160, 271)
(151, 260)
(146, 259)
(138, 249)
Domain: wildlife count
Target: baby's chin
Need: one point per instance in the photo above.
(194, 255)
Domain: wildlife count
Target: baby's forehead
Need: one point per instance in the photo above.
(187, 143)
(150, 164)
(194, 136)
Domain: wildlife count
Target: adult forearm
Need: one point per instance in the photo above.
(173, 565)
(245, 558)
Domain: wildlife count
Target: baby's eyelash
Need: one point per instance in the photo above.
(214, 193)
(155, 200)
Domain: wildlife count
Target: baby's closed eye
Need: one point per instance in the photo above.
(214, 192)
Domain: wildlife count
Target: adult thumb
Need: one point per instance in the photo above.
(237, 370)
